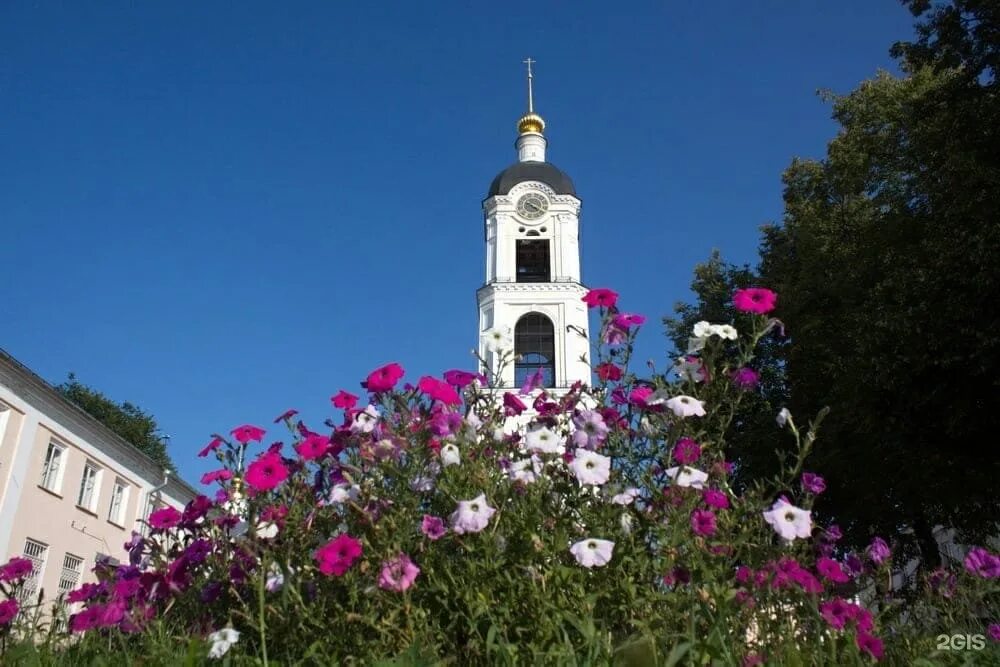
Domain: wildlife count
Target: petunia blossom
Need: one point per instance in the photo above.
(164, 518)
(681, 406)
(982, 563)
(593, 552)
(462, 379)
(398, 574)
(525, 471)
(344, 400)
(248, 433)
(213, 445)
(715, 498)
(450, 455)
(686, 451)
(608, 372)
(497, 339)
(512, 405)
(365, 420)
(8, 611)
(600, 297)
(831, 570)
(16, 568)
(438, 390)
(433, 527)
(338, 555)
(471, 516)
(590, 467)
(222, 641)
(788, 520)
(543, 440)
(591, 431)
(878, 551)
(287, 414)
(686, 476)
(813, 483)
(384, 378)
(703, 522)
(216, 476)
(756, 300)
(625, 497)
(266, 472)
(313, 447)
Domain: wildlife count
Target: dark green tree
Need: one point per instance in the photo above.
(127, 420)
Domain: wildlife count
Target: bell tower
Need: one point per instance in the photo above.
(533, 288)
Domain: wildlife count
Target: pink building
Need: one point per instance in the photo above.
(71, 490)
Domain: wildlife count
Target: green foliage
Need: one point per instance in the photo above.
(126, 419)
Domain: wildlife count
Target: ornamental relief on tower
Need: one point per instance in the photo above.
(563, 286)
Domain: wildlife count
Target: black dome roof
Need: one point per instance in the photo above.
(519, 172)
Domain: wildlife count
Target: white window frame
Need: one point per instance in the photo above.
(37, 552)
(4, 419)
(118, 508)
(72, 572)
(90, 486)
(54, 467)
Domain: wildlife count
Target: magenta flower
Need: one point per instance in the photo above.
(627, 320)
(15, 569)
(433, 527)
(216, 476)
(715, 498)
(314, 446)
(338, 555)
(836, 613)
(608, 372)
(164, 518)
(813, 483)
(639, 396)
(462, 379)
(870, 644)
(287, 414)
(994, 631)
(602, 297)
(344, 400)
(686, 451)
(512, 405)
(878, 551)
(745, 378)
(84, 593)
(398, 574)
(982, 563)
(211, 446)
(439, 390)
(384, 378)
(8, 610)
(703, 523)
(831, 570)
(612, 334)
(247, 433)
(266, 472)
(755, 300)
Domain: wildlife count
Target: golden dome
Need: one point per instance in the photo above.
(530, 122)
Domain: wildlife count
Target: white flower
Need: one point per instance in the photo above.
(267, 530)
(591, 430)
(221, 641)
(450, 455)
(685, 476)
(342, 493)
(471, 515)
(591, 467)
(625, 521)
(783, 417)
(275, 579)
(592, 552)
(625, 497)
(543, 440)
(690, 368)
(724, 331)
(702, 329)
(497, 339)
(696, 345)
(525, 470)
(364, 421)
(686, 406)
(788, 520)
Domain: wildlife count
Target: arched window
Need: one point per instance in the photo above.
(534, 341)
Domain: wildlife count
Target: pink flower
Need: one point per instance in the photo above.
(216, 476)
(344, 400)
(836, 612)
(266, 472)
(84, 593)
(994, 631)
(512, 405)
(8, 610)
(879, 551)
(211, 447)
(384, 378)
(336, 556)
(15, 569)
(608, 372)
(981, 562)
(639, 395)
(686, 451)
(754, 300)
(752, 660)
(287, 414)
(247, 433)
(462, 379)
(813, 483)
(831, 570)
(612, 334)
(602, 297)
(869, 644)
(86, 619)
(165, 518)
(314, 446)
(703, 522)
(398, 574)
(626, 320)
(433, 527)
(745, 378)
(715, 498)
(439, 390)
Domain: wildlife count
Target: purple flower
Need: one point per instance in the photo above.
(433, 527)
(745, 378)
(879, 551)
(813, 483)
(981, 562)
(994, 631)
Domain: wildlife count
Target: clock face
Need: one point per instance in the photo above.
(532, 206)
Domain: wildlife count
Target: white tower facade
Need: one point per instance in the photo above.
(533, 285)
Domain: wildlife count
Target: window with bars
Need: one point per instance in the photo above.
(52, 470)
(533, 261)
(534, 342)
(36, 553)
(72, 568)
(119, 500)
(88, 486)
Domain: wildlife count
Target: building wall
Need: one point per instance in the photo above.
(36, 416)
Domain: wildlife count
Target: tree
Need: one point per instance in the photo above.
(886, 263)
(127, 420)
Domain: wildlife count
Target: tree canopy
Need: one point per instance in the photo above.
(126, 419)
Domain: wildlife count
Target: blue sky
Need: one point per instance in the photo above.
(221, 212)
